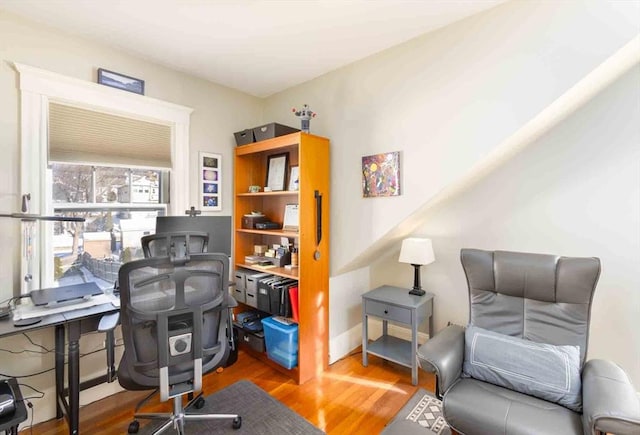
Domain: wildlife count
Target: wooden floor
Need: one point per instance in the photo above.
(347, 399)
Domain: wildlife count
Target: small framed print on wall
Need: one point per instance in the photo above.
(381, 175)
(210, 183)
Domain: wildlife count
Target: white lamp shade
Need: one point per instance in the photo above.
(416, 251)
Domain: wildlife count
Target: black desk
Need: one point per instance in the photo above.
(74, 323)
(10, 423)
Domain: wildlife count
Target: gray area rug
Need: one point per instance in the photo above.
(421, 414)
(261, 414)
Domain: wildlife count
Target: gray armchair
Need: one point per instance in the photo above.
(541, 299)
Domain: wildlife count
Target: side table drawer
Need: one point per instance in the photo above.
(388, 312)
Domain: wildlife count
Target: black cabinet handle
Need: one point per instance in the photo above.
(318, 196)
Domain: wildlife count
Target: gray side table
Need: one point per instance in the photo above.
(395, 304)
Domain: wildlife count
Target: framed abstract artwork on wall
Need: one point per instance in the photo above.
(381, 175)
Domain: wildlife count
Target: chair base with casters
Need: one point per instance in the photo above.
(180, 415)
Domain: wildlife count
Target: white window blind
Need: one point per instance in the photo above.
(79, 135)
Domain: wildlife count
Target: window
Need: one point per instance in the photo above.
(118, 210)
(49, 101)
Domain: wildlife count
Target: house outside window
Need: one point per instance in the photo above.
(115, 221)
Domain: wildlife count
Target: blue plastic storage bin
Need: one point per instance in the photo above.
(281, 342)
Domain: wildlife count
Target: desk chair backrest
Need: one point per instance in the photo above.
(174, 244)
(543, 298)
(173, 321)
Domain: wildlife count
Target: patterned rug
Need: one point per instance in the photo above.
(422, 413)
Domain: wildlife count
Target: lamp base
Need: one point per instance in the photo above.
(417, 292)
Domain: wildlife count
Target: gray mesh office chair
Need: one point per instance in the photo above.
(545, 300)
(174, 326)
(175, 244)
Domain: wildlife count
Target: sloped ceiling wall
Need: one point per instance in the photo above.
(574, 191)
(551, 116)
(445, 101)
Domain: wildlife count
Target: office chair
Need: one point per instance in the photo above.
(174, 244)
(174, 326)
(519, 366)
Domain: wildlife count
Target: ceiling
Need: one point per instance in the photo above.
(259, 47)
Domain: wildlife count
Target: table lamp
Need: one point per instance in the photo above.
(416, 252)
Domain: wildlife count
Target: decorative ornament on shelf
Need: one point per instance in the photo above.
(305, 116)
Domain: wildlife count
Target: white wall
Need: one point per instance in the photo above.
(218, 112)
(444, 100)
(344, 306)
(575, 192)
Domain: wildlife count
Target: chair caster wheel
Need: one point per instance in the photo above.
(199, 404)
(237, 422)
(134, 426)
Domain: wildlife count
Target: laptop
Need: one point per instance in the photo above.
(64, 295)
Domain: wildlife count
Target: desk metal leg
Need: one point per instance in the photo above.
(110, 344)
(74, 377)
(59, 358)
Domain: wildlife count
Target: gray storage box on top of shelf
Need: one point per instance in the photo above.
(272, 130)
(244, 137)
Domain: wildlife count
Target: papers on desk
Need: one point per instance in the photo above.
(30, 311)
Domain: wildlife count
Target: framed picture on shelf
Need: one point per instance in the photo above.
(209, 184)
(277, 171)
(291, 220)
(294, 178)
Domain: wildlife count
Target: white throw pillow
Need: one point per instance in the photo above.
(542, 370)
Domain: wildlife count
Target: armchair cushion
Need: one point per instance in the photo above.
(542, 370)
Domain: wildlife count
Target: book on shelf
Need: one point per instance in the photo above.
(293, 300)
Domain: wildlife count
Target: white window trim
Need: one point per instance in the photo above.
(37, 88)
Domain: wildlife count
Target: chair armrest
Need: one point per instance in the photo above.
(229, 301)
(444, 353)
(108, 322)
(610, 403)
